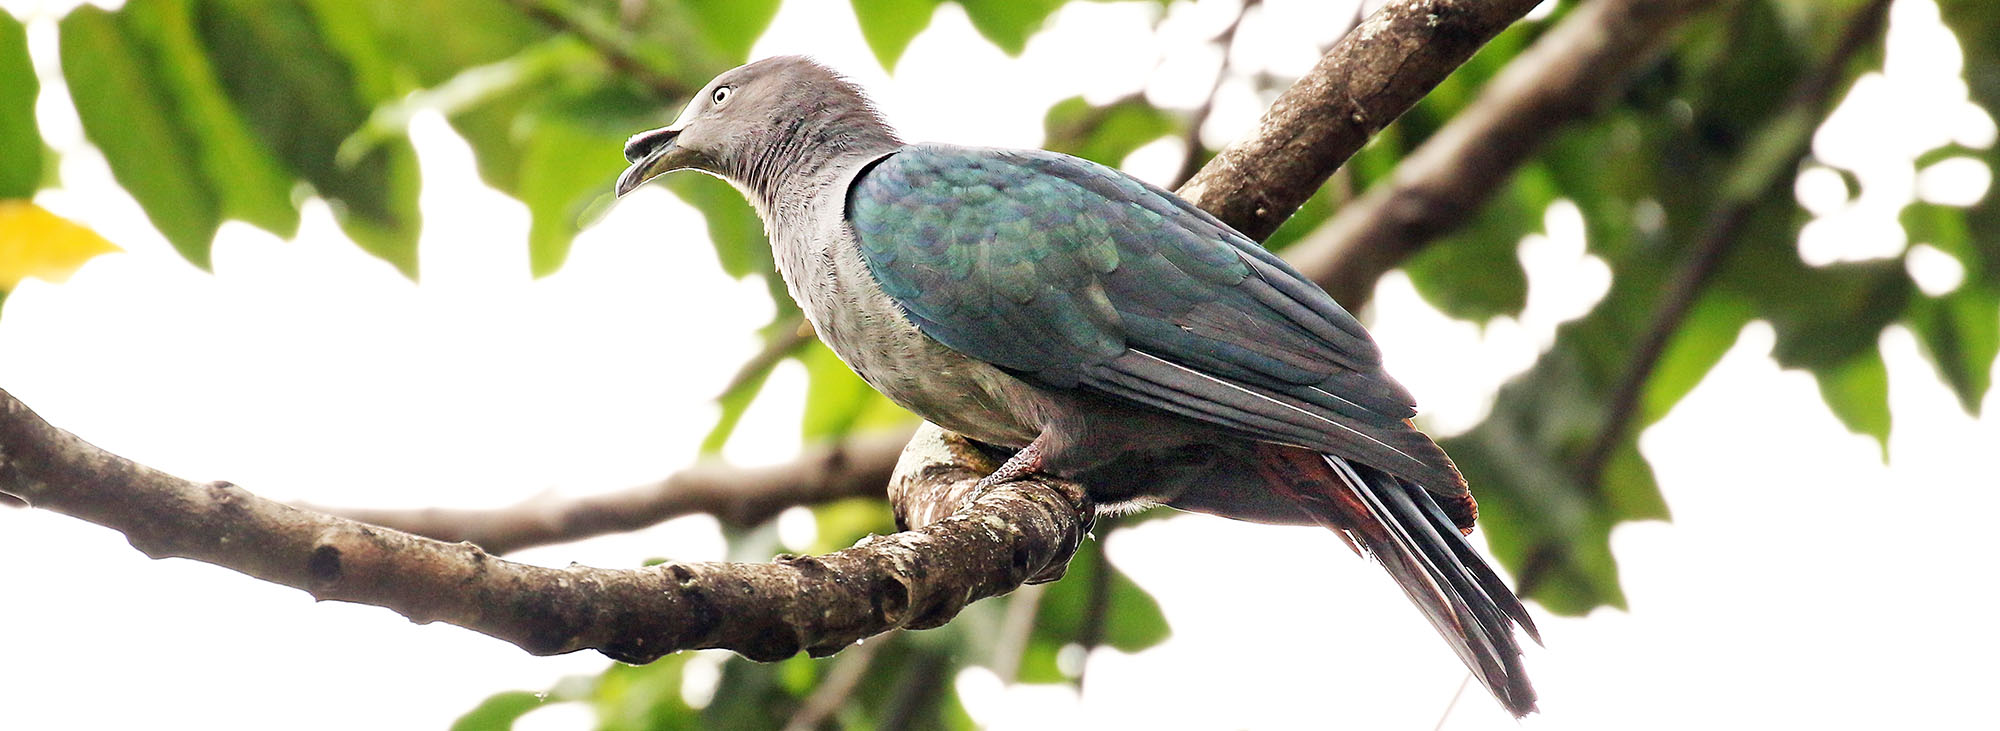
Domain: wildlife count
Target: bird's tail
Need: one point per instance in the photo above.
(1402, 526)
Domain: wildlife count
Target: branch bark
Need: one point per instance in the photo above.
(1569, 73)
(1370, 77)
(736, 496)
(765, 611)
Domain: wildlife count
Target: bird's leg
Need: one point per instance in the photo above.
(1025, 462)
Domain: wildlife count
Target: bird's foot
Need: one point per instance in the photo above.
(1025, 462)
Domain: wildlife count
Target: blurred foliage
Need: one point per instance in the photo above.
(215, 110)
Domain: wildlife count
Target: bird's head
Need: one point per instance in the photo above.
(752, 118)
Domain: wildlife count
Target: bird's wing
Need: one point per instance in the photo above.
(1075, 275)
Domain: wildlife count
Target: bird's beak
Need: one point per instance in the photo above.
(651, 154)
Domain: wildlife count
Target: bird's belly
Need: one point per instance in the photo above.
(873, 336)
(945, 388)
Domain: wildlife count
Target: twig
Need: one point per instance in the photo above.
(608, 41)
(1371, 76)
(1567, 75)
(1016, 628)
(1192, 162)
(734, 495)
(787, 339)
(1453, 703)
(833, 691)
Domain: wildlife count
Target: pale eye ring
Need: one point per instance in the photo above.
(720, 95)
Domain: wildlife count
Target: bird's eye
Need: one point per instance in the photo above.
(721, 95)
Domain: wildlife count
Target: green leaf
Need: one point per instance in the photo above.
(733, 226)
(843, 522)
(732, 26)
(1858, 393)
(749, 697)
(1009, 23)
(1131, 619)
(128, 117)
(838, 402)
(734, 403)
(890, 25)
(303, 98)
(1315, 211)
(1710, 329)
(1476, 274)
(735, 231)
(1106, 134)
(499, 711)
(251, 184)
(564, 170)
(1960, 333)
(20, 139)
(644, 697)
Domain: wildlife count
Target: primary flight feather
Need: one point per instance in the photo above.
(1109, 331)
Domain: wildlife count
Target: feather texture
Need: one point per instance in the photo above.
(1075, 275)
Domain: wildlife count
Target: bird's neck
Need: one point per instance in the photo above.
(823, 139)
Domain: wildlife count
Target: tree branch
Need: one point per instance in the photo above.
(1811, 96)
(608, 41)
(734, 495)
(765, 611)
(1370, 77)
(1568, 74)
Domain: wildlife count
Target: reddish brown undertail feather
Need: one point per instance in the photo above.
(1463, 511)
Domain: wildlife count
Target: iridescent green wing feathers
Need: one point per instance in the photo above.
(1075, 275)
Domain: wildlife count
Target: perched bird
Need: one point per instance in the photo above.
(1112, 333)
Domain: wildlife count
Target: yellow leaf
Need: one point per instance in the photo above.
(40, 244)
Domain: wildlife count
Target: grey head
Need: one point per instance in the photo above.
(761, 124)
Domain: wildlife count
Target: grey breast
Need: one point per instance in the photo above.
(820, 259)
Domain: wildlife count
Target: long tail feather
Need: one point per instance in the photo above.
(1402, 526)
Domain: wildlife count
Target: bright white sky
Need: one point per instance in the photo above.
(1802, 584)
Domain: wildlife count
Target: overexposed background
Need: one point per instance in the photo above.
(1803, 583)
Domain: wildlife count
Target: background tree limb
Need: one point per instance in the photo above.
(1374, 74)
(1570, 72)
(737, 496)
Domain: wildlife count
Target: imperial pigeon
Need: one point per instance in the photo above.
(1112, 333)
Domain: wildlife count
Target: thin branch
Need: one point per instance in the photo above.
(1226, 40)
(1017, 628)
(764, 611)
(734, 495)
(1569, 73)
(609, 41)
(788, 339)
(833, 690)
(1813, 96)
(1370, 77)
(1810, 98)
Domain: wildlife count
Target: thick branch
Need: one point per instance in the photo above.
(765, 611)
(734, 495)
(1370, 77)
(1568, 74)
